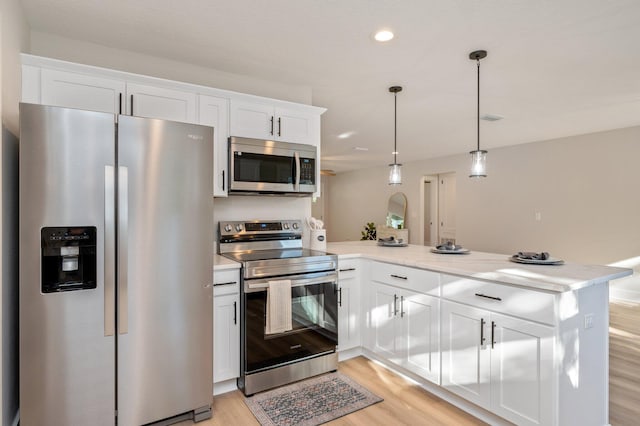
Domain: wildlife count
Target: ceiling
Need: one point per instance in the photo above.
(554, 67)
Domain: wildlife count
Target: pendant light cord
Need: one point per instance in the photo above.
(478, 114)
(395, 128)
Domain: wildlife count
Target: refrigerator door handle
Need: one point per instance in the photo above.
(123, 254)
(109, 251)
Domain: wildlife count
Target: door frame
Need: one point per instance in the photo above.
(434, 200)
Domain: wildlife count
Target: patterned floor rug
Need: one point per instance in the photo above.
(310, 402)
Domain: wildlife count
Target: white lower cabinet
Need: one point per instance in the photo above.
(349, 305)
(226, 326)
(405, 326)
(501, 363)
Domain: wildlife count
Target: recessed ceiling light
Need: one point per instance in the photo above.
(383, 35)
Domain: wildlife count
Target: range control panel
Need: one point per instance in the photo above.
(259, 227)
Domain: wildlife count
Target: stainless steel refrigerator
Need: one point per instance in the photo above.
(116, 252)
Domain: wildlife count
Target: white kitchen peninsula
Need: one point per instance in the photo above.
(526, 343)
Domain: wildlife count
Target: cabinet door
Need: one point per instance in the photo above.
(348, 312)
(385, 325)
(465, 360)
(251, 120)
(215, 112)
(521, 371)
(157, 102)
(71, 90)
(226, 337)
(296, 126)
(420, 316)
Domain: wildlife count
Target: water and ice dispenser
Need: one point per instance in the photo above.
(68, 258)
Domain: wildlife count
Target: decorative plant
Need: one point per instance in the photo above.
(369, 232)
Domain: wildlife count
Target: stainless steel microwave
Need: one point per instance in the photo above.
(259, 166)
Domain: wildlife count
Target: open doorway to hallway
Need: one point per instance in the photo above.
(438, 209)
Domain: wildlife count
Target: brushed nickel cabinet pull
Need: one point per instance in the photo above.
(398, 276)
(347, 269)
(482, 339)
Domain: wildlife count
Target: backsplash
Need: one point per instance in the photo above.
(262, 207)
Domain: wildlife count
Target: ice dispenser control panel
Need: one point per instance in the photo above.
(68, 258)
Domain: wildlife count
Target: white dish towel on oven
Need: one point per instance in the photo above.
(278, 307)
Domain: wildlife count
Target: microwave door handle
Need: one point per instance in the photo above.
(296, 186)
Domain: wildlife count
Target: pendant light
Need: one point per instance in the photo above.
(395, 173)
(478, 157)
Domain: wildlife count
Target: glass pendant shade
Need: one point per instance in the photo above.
(478, 163)
(395, 174)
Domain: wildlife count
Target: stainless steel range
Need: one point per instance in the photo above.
(271, 254)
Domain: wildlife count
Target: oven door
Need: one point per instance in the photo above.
(314, 312)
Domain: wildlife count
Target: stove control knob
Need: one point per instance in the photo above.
(295, 225)
(227, 228)
(239, 227)
(286, 225)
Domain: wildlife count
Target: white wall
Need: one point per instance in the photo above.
(67, 49)
(585, 187)
(14, 38)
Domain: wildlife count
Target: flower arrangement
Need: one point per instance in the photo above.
(369, 232)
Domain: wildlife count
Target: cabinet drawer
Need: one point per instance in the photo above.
(529, 304)
(226, 282)
(348, 268)
(418, 280)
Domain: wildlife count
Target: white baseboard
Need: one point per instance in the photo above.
(349, 353)
(225, 386)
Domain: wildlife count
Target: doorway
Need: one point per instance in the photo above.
(438, 209)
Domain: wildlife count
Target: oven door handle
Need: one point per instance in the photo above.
(261, 285)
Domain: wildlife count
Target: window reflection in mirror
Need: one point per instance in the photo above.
(397, 211)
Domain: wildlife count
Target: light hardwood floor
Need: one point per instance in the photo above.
(624, 363)
(404, 403)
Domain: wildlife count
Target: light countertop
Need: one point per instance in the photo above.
(221, 263)
(484, 266)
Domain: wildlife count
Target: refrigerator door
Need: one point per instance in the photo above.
(67, 341)
(165, 261)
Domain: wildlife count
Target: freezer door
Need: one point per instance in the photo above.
(165, 258)
(67, 342)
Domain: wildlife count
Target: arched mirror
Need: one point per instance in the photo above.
(396, 211)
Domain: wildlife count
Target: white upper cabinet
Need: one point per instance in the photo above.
(73, 90)
(158, 102)
(58, 83)
(266, 121)
(215, 112)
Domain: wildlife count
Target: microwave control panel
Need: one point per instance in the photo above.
(307, 171)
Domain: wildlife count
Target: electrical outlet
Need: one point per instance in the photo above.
(588, 321)
(538, 216)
